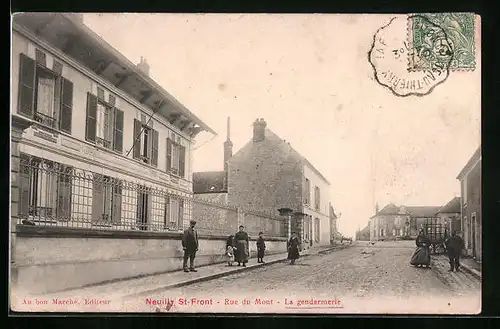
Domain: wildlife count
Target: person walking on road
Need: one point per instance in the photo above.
(261, 247)
(454, 246)
(293, 248)
(190, 246)
(242, 252)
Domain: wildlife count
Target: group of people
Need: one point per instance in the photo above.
(237, 247)
(453, 245)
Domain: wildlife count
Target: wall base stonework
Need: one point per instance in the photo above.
(53, 259)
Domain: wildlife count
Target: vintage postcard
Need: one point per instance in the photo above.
(246, 163)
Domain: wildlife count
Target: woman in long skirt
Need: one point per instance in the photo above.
(421, 257)
(242, 249)
(293, 248)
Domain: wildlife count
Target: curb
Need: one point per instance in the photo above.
(471, 271)
(205, 278)
(220, 275)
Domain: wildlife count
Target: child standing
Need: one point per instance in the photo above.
(230, 255)
(261, 247)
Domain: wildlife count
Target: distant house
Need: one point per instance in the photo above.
(364, 234)
(470, 181)
(449, 215)
(268, 174)
(401, 221)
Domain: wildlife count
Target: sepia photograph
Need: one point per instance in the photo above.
(245, 163)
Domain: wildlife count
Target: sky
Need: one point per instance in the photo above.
(309, 77)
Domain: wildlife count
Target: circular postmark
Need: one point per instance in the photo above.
(402, 67)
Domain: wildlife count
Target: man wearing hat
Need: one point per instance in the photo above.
(190, 246)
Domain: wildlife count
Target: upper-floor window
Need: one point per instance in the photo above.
(307, 192)
(176, 157)
(465, 192)
(145, 143)
(317, 201)
(44, 95)
(104, 125)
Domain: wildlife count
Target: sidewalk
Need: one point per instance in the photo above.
(156, 283)
(468, 265)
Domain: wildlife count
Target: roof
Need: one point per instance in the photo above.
(423, 211)
(270, 133)
(453, 206)
(208, 182)
(72, 24)
(414, 211)
(472, 161)
(390, 209)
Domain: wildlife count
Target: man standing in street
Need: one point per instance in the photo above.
(454, 245)
(190, 246)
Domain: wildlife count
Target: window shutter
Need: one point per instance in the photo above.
(118, 131)
(97, 198)
(182, 161)
(137, 139)
(24, 186)
(169, 154)
(66, 105)
(64, 194)
(117, 202)
(26, 96)
(91, 117)
(154, 153)
(166, 213)
(180, 218)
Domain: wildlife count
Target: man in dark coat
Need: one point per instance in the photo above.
(242, 249)
(454, 245)
(261, 247)
(190, 246)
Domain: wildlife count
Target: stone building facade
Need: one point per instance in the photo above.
(470, 181)
(394, 222)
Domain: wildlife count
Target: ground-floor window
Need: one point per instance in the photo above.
(106, 199)
(173, 218)
(45, 189)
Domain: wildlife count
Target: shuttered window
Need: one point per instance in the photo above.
(104, 124)
(44, 95)
(145, 143)
(176, 158)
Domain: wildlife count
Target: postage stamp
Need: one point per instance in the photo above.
(430, 34)
(389, 59)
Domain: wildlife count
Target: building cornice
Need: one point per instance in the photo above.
(93, 76)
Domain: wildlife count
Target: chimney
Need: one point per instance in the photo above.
(376, 209)
(143, 66)
(228, 153)
(259, 130)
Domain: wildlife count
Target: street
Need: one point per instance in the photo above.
(370, 273)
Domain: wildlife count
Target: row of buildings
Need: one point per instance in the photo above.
(93, 113)
(461, 214)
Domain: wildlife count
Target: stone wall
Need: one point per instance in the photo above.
(266, 176)
(54, 259)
